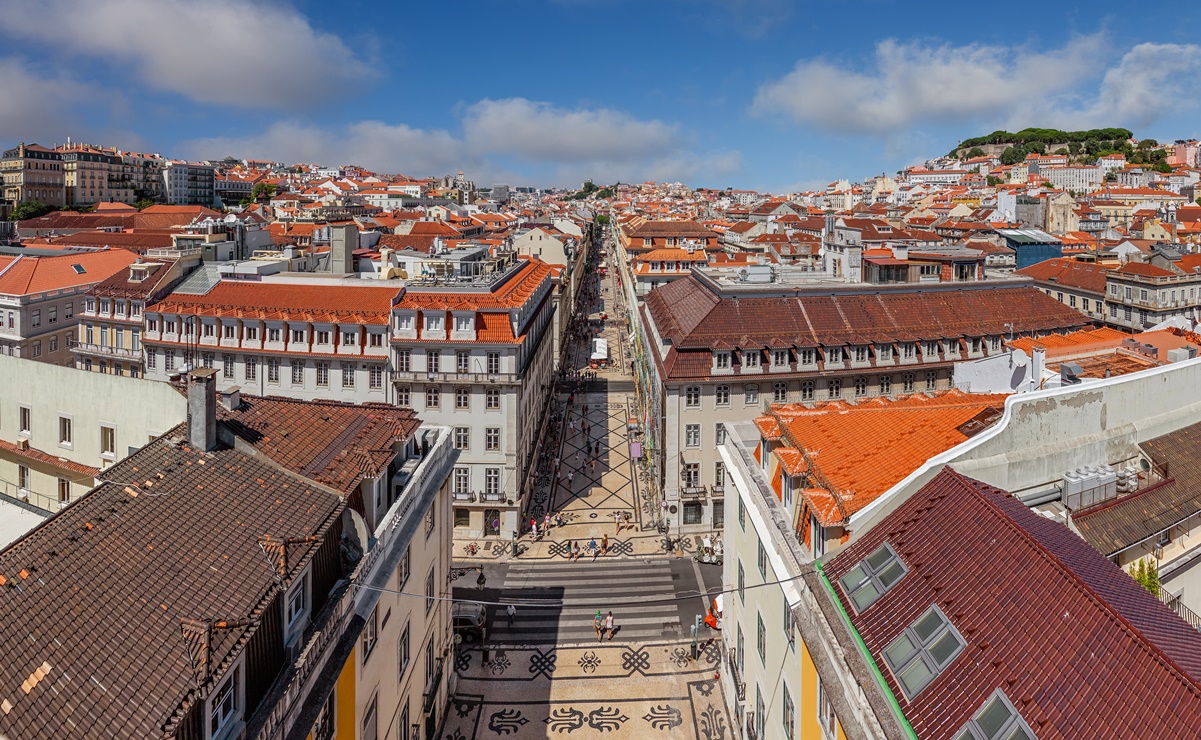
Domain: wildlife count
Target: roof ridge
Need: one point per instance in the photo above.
(1154, 649)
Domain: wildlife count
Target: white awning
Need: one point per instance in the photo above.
(600, 349)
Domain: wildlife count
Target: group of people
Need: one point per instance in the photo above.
(603, 625)
(573, 551)
(546, 524)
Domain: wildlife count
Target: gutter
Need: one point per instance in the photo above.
(867, 655)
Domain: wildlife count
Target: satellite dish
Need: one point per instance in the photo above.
(1019, 358)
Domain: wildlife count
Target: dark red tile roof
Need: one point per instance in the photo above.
(1119, 523)
(1077, 645)
(95, 600)
(1068, 273)
(694, 318)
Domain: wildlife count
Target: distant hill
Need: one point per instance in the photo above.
(1013, 147)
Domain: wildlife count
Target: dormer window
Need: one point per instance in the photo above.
(464, 323)
(137, 275)
(723, 360)
(433, 323)
(779, 357)
(884, 352)
(861, 354)
(404, 322)
(931, 349)
(806, 357)
(750, 358)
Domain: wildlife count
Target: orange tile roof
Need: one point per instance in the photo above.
(861, 450)
(319, 303)
(28, 274)
(52, 460)
(1083, 339)
(493, 327)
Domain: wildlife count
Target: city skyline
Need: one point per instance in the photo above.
(764, 95)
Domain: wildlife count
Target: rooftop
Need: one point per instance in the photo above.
(25, 275)
(319, 303)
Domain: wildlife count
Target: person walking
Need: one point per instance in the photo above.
(592, 547)
(534, 528)
(599, 624)
(609, 625)
(605, 544)
(570, 480)
(568, 551)
(617, 521)
(576, 552)
(511, 611)
(546, 522)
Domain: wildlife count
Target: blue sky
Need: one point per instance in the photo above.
(765, 94)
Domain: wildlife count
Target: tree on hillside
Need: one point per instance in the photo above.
(143, 204)
(262, 188)
(27, 209)
(975, 152)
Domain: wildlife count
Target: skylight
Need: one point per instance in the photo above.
(874, 575)
(78, 268)
(998, 719)
(922, 651)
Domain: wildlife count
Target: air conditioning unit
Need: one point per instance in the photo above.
(22, 444)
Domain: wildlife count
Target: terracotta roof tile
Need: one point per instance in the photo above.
(29, 274)
(313, 302)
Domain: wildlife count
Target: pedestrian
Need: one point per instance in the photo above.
(617, 520)
(599, 624)
(594, 466)
(511, 611)
(571, 424)
(577, 551)
(592, 547)
(576, 460)
(568, 551)
(609, 625)
(546, 522)
(534, 527)
(570, 478)
(605, 544)
(627, 518)
(559, 519)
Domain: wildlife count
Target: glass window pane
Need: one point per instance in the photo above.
(993, 718)
(879, 558)
(928, 625)
(891, 574)
(853, 579)
(864, 597)
(915, 677)
(900, 651)
(944, 648)
(1019, 734)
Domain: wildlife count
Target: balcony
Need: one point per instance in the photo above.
(411, 376)
(735, 676)
(88, 348)
(467, 496)
(751, 732)
(693, 492)
(496, 496)
(431, 689)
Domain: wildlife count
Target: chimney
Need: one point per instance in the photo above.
(202, 408)
(343, 240)
(231, 398)
(1038, 362)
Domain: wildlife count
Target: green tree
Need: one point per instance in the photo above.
(992, 181)
(1146, 572)
(602, 219)
(1162, 167)
(975, 152)
(143, 204)
(1013, 154)
(262, 188)
(27, 209)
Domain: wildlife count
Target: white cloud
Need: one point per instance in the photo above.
(912, 83)
(36, 108)
(514, 140)
(1151, 80)
(540, 132)
(212, 51)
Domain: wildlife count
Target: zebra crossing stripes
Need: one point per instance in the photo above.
(574, 592)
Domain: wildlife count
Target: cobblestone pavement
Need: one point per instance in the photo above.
(611, 690)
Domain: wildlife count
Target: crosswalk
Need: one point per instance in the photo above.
(574, 592)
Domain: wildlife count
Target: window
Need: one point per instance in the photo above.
(719, 514)
(250, 368)
(322, 337)
(884, 352)
(760, 712)
(323, 726)
(403, 360)
(322, 374)
(1084, 303)
(692, 474)
(779, 392)
(462, 362)
(931, 349)
(860, 387)
(227, 366)
(462, 398)
(492, 481)
(907, 382)
(692, 396)
(273, 370)
(370, 634)
(432, 397)
(719, 434)
(806, 357)
(998, 719)
(908, 351)
(297, 372)
(52, 315)
(404, 654)
(751, 394)
(227, 331)
(835, 388)
(64, 490)
(789, 631)
(692, 435)
(370, 720)
(433, 361)
(404, 396)
(431, 515)
(492, 398)
(151, 359)
(779, 357)
(861, 354)
(750, 358)
(741, 515)
(693, 512)
(348, 375)
(741, 581)
(252, 333)
(65, 436)
(350, 338)
(922, 651)
(761, 638)
(722, 360)
(429, 590)
(872, 577)
(108, 441)
(23, 477)
(740, 650)
(807, 390)
(825, 710)
(462, 517)
(721, 395)
(462, 480)
(492, 439)
(762, 559)
(493, 363)
(834, 355)
(225, 704)
(375, 377)
(789, 712)
(719, 474)
(273, 335)
(36, 318)
(931, 380)
(298, 336)
(297, 602)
